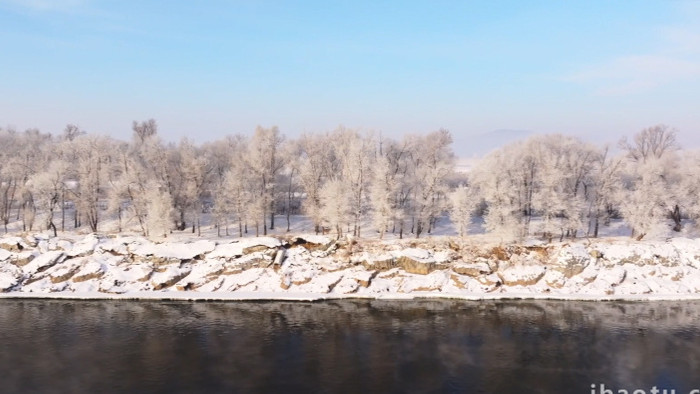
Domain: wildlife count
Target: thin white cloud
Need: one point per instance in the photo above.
(634, 74)
(46, 5)
(682, 40)
(674, 59)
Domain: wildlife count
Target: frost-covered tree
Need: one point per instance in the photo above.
(237, 198)
(336, 205)
(192, 172)
(145, 130)
(31, 158)
(389, 187)
(382, 194)
(547, 177)
(462, 207)
(507, 179)
(235, 194)
(651, 174)
(606, 186)
(127, 196)
(48, 187)
(561, 183)
(651, 143)
(263, 158)
(10, 183)
(219, 156)
(499, 182)
(290, 179)
(433, 163)
(689, 185)
(71, 132)
(92, 164)
(22, 155)
(160, 211)
(154, 163)
(354, 153)
(315, 164)
(67, 151)
(644, 200)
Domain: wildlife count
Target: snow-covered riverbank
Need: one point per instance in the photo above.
(310, 267)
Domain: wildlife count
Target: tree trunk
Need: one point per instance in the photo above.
(63, 211)
(182, 224)
(595, 228)
(676, 216)
(289, 199)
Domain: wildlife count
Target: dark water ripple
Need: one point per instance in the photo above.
(347, 346)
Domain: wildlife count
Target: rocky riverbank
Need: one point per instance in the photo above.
(313, 267)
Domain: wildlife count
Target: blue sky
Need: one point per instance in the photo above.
(596, 69)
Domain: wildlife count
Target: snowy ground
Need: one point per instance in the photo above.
(302, 224)
(308, 267)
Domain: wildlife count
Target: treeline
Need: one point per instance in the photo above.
(552, 186)
(558, 186)
(337, 179)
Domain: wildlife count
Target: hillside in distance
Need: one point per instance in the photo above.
(470, 146)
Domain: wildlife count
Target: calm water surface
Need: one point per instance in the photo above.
(347, 346)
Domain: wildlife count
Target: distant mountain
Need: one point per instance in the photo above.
(481, 144)
(690, 141)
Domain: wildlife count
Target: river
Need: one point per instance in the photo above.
(358, 346)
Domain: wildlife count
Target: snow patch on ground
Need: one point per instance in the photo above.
(177, 251)
(82, 247)
(522, 275)
(42, 262)
(238, 248)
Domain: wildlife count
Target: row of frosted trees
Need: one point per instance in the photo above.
(551, 186)
(339, 180)
(556, 186)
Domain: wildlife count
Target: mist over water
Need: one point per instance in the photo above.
(347, 346)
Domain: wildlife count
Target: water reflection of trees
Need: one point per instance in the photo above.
(340, 346)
